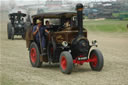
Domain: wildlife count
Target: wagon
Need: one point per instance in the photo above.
(66, 44)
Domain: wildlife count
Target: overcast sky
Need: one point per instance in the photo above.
(63, 0)
(26, 2)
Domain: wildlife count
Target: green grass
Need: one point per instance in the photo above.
(108, 25)
(121, 15)
(115, 14)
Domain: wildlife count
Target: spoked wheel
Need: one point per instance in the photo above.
(98, 61)
(66, 62)
(34, 55)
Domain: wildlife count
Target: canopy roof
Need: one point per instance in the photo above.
(17, 14)
(55, 15)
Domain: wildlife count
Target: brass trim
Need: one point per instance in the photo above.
(80, 9)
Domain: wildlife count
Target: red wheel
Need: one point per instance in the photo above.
(94, 63)
(97, 60)
(66, 62)
(34, 55)
(63, 63)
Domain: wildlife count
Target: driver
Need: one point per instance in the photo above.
(38, 33)
(67, 23)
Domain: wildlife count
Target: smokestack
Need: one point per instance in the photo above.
(79, 8)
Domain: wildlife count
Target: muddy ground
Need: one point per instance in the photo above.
(15, 67)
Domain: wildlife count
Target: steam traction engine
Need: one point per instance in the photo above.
(67, 46)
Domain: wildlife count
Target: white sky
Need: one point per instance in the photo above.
(26, 2)
(63, 0)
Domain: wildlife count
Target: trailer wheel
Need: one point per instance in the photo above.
(34, 55)
(66, 62)
(98, 60)
(9, 26)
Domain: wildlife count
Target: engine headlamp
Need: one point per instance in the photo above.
(65, 44)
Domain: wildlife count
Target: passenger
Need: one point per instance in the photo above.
(47, 25)
(38, 33)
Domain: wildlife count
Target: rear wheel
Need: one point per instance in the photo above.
(98, 60)
(12, 33)
(66, 62)
(34, 55)
(9, 26)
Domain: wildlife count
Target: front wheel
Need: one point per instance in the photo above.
(98, 61)
(34, 55)
(66, 62)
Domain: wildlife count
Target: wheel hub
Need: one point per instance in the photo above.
(33, 55)
(94, 63)
(63, 63)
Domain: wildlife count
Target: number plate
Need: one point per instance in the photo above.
(82, 58)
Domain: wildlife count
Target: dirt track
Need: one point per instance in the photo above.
(16, 69)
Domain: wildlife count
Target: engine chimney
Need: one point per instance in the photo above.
(79, 8)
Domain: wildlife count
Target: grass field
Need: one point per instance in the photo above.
(107, 25)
